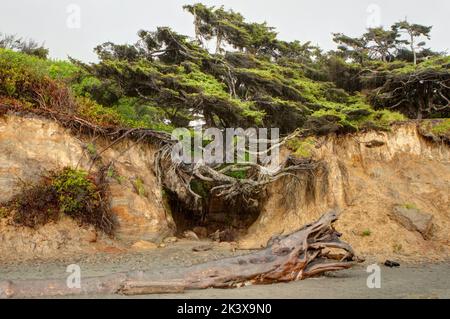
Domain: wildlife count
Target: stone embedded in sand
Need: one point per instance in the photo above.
(170, 240)
(201, 232)
(190, 235)
(414, 220)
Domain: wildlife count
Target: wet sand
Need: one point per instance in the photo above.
(408, 281)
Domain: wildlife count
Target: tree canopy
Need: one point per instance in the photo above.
(251, 78)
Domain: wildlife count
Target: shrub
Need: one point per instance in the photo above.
(36, 205)
(410, 206)
(139, 187)
(68, 192)
(443, 128)
(302, 148)
(366, 233)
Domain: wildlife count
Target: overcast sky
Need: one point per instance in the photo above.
(75, 27)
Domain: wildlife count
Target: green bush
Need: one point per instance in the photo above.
(75, 191)
(366, 233)
(68, 192)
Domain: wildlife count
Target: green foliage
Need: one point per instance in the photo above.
(384, 118)
(139, 187)
(67, 192)
(166, 80)
(201, 188)
(302, 148)
(98, 114)
(366, 233)
(238, 174)
(74, 190)
(92, 150)
(442, 129)
(410, 206)
(29, 47)
(112, 173)
(397, 248)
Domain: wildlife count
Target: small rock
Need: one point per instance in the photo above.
(201, 232)
(92, 237)
(374, 144)
(414, 220)
(143, 245)
(202, 248)
(391, 264)
(190, 235)
(215, 236)
(170, 240)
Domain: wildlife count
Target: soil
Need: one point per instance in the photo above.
(364, 184)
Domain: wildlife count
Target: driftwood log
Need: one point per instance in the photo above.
(310, 251)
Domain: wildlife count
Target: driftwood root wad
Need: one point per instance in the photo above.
(310, 251)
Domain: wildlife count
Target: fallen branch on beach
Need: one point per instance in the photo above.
(308, 252)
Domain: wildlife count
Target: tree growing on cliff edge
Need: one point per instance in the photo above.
(228, 27)
(414, 32)
(30, 46)
(351, 48)
(381, 43)
(420, 93)
(253, 78)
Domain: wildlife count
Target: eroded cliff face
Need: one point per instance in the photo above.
(31, 146)
(365, 176)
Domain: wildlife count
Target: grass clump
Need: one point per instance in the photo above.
(443, 128)
(238, 174)
(410, 206)
(397, 248)
(302, 147)
(68, 192)
(139, 187)
(366, 233)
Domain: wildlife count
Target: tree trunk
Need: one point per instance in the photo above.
(219, 43)
(413, 49)
(303, 254)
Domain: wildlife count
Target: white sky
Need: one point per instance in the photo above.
(119, 20)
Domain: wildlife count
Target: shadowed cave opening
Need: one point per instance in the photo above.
(219, 220)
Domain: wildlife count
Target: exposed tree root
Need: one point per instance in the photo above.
(301, 255)
(177, 177)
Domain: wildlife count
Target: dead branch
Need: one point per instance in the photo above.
(303, 254)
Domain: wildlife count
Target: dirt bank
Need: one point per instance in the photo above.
(365, 176)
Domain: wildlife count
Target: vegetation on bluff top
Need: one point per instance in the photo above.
(253, 79)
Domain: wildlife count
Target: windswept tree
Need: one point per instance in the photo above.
(30, 46)
(414, 32)
(351, 48)
(223, 25)
(228, 27)
(204, 20)
(300, 52)
(381, 43)
(422, 93)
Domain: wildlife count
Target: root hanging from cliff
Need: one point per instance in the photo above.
(303, 254)
(179, 177)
